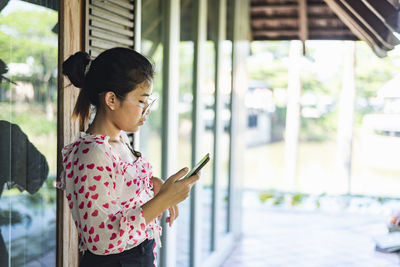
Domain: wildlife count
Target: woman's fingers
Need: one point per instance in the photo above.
(178, 175)
(173, 214)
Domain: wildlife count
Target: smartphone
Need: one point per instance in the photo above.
(199, 165)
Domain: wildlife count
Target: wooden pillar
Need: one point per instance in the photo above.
(70, 41)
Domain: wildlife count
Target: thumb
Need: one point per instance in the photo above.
(178, 175)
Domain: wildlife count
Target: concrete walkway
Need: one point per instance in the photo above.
(287, 237)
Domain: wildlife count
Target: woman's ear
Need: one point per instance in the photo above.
(111, 100)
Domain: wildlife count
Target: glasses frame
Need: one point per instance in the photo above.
(146, 106)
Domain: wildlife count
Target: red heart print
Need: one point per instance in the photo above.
(87, 195)
(120, 249)
(97, 177)
(81, 205)
(76, 180)
(85, 216)
(68, 165)
(88, 142)
(106, 184)
(100, 168)
(99, 142)
(113, 236)
(76, 161)
(138, 232)
(94, 248)
(110, 246)
(95, 213)
(108, 168)
(92, 188)
(106, 251)
(143, 226)
(90, 239)
(113, 218)
(85, 150)
(119, 242)
(133, 218)
(95, 196)
(81, 189)
(109, 226)
(85, 228)
(129, 183)
(83, 178)
(71, 174)
(76, 150)
(69, 196)
(143, 170)
(71, 205)
(96, 238)
(106, 205)
(89, 204)
(91, 230)
(101, 225)
(81, 167)
(90, 166)
(121, 232)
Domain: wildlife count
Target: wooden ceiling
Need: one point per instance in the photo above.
(373, 21)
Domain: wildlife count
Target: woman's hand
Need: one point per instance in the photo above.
(173, 210)
(174, 190)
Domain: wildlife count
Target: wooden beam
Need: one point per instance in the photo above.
(356, 26)
(303, 23)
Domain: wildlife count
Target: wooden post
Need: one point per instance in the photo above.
(70, 41)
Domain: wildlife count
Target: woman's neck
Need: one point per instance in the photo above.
(104, 127)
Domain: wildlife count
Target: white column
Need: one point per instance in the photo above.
(293, 116)
(345, 122)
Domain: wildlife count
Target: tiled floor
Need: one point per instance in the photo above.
(278, 237)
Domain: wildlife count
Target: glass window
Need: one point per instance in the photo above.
(185, 124)
(28, 133)
(150, 133)
(207, 92)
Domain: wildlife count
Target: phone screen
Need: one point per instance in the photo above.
(199, 165)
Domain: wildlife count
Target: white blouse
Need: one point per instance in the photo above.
(105, 195)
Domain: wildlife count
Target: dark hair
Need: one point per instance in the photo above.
(118, 69)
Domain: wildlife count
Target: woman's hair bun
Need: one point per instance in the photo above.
(74, 68)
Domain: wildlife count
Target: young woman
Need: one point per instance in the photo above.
(114, 199)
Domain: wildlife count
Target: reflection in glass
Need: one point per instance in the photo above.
(28, 132)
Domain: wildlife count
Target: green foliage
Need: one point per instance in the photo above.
(373, 72)
(31, 118)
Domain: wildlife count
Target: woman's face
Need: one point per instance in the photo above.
(128, 116)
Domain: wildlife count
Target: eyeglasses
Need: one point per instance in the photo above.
(144, 105)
